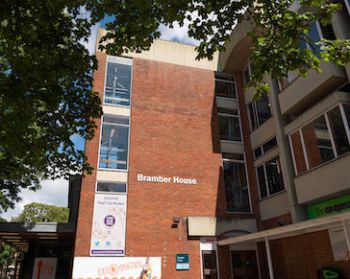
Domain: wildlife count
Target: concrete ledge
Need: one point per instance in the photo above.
(214, 226)
(303, 92)
(326, 181)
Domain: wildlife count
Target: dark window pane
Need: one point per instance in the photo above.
(111, 187)
(263, 109)
(233, 156)
(225, 89)
(318, 142)
(298, 152)
(257, 152)
(262, 182)
(236, 188)
(347, 112)
(269, 145)
(117, 90)
(229, 128)
(114, 143)
(338, 131)
(246, 75)
(327, 32)
(274, 176)
(315, 37)
(231, 111)
(253, 123)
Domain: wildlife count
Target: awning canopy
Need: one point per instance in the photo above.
(319, 224)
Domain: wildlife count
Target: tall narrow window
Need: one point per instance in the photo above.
(236, 188)
(114, 143)
(318, 142)
(118, 83)
(259, 111)
(338, 131)
(270, 177)
(229, 124)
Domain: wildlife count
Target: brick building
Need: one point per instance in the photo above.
(195, 179)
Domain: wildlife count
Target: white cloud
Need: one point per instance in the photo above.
(54, 192)
(177, 33)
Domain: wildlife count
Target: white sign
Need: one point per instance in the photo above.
(44, 268)
(165, 179)
(116, 268)
(108, 228)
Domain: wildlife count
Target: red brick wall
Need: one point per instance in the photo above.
(299, 157)
(300, 257)
(274, 222)
(173, 131)
(87, 193)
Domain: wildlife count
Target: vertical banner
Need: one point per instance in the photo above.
(117, 268)
(44, 268)
(108, 228)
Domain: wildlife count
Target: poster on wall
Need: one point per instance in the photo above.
(44, 268)
(108, 225)
(123, 267)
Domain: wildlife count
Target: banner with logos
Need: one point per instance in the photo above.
(108, 227)
(116, 268)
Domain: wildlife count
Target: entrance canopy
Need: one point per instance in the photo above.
(323, 223)
(19, 234)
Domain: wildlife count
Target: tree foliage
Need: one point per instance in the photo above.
(39, 212)
(6, 257)
(45, 70)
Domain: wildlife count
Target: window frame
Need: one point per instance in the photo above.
(100, 145)
(234, 87)
(345, 122)
(232, 116)
(256, 114)
(247, 182)
(263, 164)
(117, 60)
(347, 3)
(112, 193)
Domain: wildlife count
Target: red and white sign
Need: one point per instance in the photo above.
(116, 267)
(44, 268)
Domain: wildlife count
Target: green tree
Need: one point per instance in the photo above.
(6, 257)
(3, 220)
(45, 70)
(39, 212)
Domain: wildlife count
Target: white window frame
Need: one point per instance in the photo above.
(255, 113)
(247, 182)
(265, 177)
(233, 82)
(340, 105)
(239, 121)
(100, 143)
(117, 60)
(347, 3)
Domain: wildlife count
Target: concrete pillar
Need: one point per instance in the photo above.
(269, 259)
(297, 211)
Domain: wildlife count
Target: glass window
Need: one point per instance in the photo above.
(338, 131)
(225, 88)
(347, 2)
(229, 125)
(236, 188)
(263, 109)
(111, 187)
(114, 143)
(262, 182)
(270, 178)
(315, 37)
(298, 152)
(117, 90)
(259, 111)
(274, 176)
(272, 143)
(347, 112)
(257, 152)
(318, 142)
